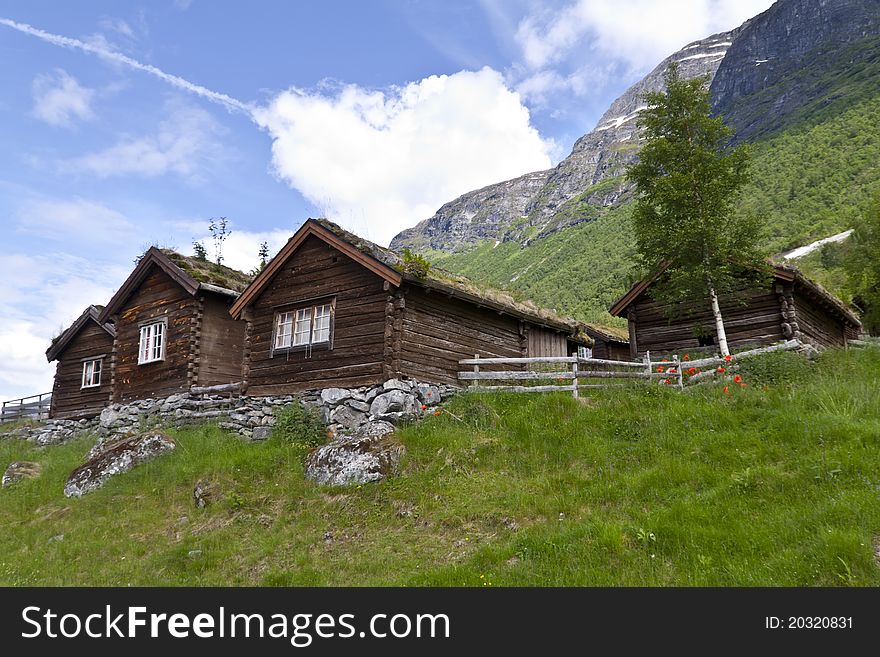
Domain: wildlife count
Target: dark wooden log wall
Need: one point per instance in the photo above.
(158, 297)
(358, 355)
(69, 399)
(438, 331)
(817, 323)
(758, 322)
(610, 350)
(219, 343)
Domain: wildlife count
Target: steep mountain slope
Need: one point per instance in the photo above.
(800, 81)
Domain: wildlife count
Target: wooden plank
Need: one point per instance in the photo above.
(500, 376)
(517, 361)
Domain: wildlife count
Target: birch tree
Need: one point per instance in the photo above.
(687, 180)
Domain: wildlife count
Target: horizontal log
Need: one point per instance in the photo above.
(490, 376)
(614, 363)
(518, 361)
(544, 388)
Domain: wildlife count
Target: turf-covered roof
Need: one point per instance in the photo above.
(205, 271)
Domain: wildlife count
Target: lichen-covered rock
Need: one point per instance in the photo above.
(355, 460)
(21, 470)
(109, 417)
(428, 394)
(396, 384)
(333, 396)
(204, 493)
(349, 418)
(261, 433)
(116, 457)
(393, 404)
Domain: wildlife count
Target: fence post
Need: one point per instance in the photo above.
(648, 365)
(574, 380)
(476, 371)
(677, 364)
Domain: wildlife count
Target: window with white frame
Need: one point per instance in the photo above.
(152, 344)
(585, 352)
(303, 327)
(91, 377)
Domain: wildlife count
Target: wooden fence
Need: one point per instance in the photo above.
(572, 373)
(35, 407)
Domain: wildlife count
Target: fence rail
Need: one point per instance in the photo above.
(582, 369)
(35, 407)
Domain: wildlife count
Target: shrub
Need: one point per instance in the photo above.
(775, 368)
(415, 264)
(296, 423)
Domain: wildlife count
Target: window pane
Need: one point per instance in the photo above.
(321, 330)
(144, 351)
(283, 330)
(96, 373)
(158, 341)
(86, 373)
(303, 328)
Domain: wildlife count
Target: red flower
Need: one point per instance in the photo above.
(721, 370)
(737, 378)
(424, 406)
(685, 357)
(659, 369)
(728, 358)
(726, 391)
(672, 370)
(692, 371)
(667, 382)
(436, 412)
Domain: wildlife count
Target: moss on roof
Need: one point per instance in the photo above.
(610, 332)
(456, 285)
(205, 271)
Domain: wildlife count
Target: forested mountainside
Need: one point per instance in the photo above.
(801, 82)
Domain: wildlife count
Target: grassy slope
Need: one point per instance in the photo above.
(629, 487)
(808, 183)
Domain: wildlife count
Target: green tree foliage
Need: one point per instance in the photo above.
(219, 232)
(199, 250)
(687, 182)
(863, 265)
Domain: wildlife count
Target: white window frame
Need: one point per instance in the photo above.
(585, 352)
(151, 345)
(298, 328)
(92, 373)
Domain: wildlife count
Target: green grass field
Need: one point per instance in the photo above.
(775, 484)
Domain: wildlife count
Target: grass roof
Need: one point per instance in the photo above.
(205, 271)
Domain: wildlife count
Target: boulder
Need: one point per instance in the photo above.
(354, 460)
(349, 418)
(393, 404)
(109, 417)
(362, 406)
(333, 396)
(261, 433)
(396, 384)
(116, 457)
(428, 394)
(21, 470)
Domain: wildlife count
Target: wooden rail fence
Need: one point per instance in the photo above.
(35, 407)
(576, 370)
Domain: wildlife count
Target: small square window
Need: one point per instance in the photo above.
(91, 376)
(152, 343)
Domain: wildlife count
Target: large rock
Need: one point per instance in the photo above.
(109, 417)
(21, 470)
(396, 384)
(116, 457)
(394, 404)
(349, 418)
(428, 394)
(333, 396)
(355, 460)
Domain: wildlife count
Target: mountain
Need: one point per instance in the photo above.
(800, 82)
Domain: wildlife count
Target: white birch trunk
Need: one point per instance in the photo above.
(719, 323)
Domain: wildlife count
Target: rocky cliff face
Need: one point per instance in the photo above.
(762, 75)
(535, 204)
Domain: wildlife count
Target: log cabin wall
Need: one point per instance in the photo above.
(69, 399)
(219, 342)
(610, 350)
(158, 297)
(817, 323)
(759, 322)
(317, 271)
(438, 331)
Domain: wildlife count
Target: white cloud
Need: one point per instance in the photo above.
(70, 221)
(636, 34)
(42, 296)
(119, 26)
(184, 144)
(59, 99)
(379, 161)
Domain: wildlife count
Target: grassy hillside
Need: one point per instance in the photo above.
(807, 183)
(776, 484)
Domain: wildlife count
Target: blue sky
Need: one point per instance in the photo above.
(126, 124)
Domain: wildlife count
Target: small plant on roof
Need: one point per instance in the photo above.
(219, 232)
(415, 265)
(199, 251)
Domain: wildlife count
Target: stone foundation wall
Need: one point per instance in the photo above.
(345, 411)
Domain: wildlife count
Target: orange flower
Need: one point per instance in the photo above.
(424, 406)
(726, 391)
(685, 357)
(728, 358)
(436, 412)
(721, 370)
(737, 379)
(692, 371)
(667, 382)
(659, 369)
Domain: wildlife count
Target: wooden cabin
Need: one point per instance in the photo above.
(609, 343)
(82, 380)
(792, 307)
(334, 310)
(173, 328)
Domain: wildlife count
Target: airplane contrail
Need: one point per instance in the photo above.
(230, 103)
